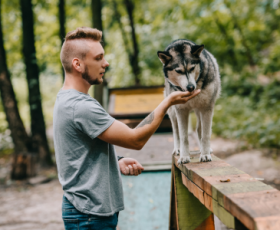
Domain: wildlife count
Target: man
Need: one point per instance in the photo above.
(84, 135)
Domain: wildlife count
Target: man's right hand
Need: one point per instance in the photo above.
(179, 97)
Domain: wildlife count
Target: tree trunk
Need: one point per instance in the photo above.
(38, 129)
(117, 16)
(62, 33)
(22, 143)
(134, 56)
(96, 9)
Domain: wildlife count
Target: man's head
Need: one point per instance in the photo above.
(83, 54)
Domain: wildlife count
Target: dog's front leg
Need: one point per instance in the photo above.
(183, 119)
(206, 122)
(175, 129)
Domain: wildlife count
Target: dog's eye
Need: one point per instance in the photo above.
(168, 69)
(179, 71)
(192, 69)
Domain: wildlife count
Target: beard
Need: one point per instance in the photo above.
(86, 77)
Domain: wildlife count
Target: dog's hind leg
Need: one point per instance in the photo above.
(175, 129)
(183, 119)
(206, 122)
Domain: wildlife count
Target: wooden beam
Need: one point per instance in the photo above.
(235, 197)
(172, 209)
(209, 202)
(207, 224)
(190, 212)
(193, 188)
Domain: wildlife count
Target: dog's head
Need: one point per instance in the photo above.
(181, 64)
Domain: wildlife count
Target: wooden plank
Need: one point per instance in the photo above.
(248, 207)
(208, 202)
(190, 212)
(138, 103)
(268, 223)
(137, 90)
(243, 197)
(207, 224)
(194, 164)
(193, 188)
(172, 210)
(218, 171)
(223, 214)
(208, 182)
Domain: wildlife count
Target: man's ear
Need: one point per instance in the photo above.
(164, 56)
(76, 64)
(196, 50)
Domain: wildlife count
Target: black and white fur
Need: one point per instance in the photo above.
(187, 67)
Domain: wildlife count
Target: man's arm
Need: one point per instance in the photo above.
(121, 135)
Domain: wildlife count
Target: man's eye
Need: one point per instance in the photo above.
(179, 71)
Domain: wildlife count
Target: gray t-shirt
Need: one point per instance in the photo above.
(88, 168)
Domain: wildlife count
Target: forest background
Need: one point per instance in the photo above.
(243, 35)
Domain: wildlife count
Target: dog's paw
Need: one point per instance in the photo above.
(176, 152)
(183, 160)
(205, 158)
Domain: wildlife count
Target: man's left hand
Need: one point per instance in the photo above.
(131, 167)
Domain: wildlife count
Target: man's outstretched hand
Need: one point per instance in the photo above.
(131, 167)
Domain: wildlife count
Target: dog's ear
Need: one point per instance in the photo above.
(196, 50)
(164, 56)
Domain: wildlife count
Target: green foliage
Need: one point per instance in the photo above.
(249, 110)
(243, 36)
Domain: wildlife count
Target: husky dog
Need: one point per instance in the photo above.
(187, 67)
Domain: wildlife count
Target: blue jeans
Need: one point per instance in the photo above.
(76, 220)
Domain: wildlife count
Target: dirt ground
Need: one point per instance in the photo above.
(24, 206)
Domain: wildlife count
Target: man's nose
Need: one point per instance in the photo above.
(106, 64)
(190, 87)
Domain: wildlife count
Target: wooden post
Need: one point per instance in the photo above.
(186, 211)
(172, 210)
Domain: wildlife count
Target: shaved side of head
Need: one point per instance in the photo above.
(76, 45)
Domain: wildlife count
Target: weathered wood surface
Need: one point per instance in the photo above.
(242, 200)
(186, 212)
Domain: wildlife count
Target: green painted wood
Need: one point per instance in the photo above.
(223, 215)
(223, 189)
(191, 213)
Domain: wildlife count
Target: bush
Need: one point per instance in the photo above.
(248, 110)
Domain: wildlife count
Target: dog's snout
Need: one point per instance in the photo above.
(190, 88)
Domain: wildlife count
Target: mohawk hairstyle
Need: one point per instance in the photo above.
(71, 50)
(84, 33)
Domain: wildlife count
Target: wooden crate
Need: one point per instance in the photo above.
(132, 105)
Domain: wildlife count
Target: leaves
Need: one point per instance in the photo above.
(233, 31)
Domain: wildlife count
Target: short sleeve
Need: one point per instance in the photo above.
(90, 118)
